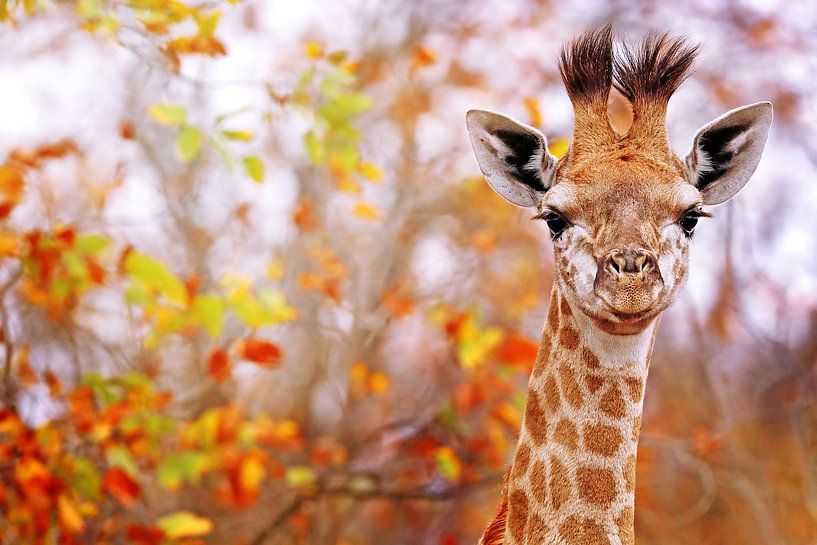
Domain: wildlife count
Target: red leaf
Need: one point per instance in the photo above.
(518, 351)
(260, 351)
(219, 365)
(144, 535)
(118, 484)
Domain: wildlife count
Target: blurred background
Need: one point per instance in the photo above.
(255, 290)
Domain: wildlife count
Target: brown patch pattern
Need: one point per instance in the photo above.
(590, 359)
(577, 531)
(636, 387)
(559, 483)
(518, 515)
(552, 397)
(569, 337)
(596, 486)
(566, 434)
(629, 473)
(625, 523)
(570, 387)
(613, 403)
(602, 439)
(520, 461)
(535, 419)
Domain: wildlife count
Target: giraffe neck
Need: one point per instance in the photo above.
(573, 477)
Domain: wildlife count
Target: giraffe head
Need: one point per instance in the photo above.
(620, 205)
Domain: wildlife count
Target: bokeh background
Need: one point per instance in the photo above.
(254, 289)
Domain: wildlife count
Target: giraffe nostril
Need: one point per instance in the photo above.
(629, 261)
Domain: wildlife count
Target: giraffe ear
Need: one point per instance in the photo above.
(725, 152)
(512, 155)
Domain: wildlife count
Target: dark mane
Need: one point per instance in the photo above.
(654, 69)
(586, 65)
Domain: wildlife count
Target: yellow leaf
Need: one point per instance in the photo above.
(254, 168)
(558, 146)
(183, 524)
(313, 50)
(367, 211)
(9, 244)
(188, 143)
(379, 383)
(168, 114)
(370, 171)
(535, 114)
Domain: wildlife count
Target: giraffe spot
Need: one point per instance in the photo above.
(520, 461)
(564, 307)
(537, 529)
(517, 515)
(626, 525)
(566, 434)
(535, 419)
(636, 428)
(570, 387)
(596, 486)
(578, 531)
(636, 387)
(552, 397)
(590, 359)
(553, 316)
(629, 473)
(542, 356)
(613, 403)
(569, 337)
(593, 383)
(559, 483)
(602, 439)
(538, 474)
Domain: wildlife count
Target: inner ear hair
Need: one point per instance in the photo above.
(716, 149)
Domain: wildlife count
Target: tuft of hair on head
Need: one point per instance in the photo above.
(654, 69)
(586, 65)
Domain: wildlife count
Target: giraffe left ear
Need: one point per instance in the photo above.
(725, 152)
(513, 156)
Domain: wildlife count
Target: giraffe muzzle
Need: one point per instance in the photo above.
(629, 281)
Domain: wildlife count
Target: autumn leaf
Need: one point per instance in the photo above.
(370, 171)
(9, 244)
(313, 50)
(168, 114)
(121, 486)
(69, 515)
(23, 367)
(518, 351)
(448, 464)
(11, 189)
(558, 146)
(218, 365)
(397, 301)
(182, 524)
(367, 211)
(254, 167)
(144, 535)
(188, 143)
(378, 383)
(259, 351)
(422, 57)
(534, 113)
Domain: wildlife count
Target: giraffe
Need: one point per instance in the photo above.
(621, 208)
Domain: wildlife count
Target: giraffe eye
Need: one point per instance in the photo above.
(556, 223)
(689, 221)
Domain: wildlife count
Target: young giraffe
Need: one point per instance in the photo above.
(621, 209)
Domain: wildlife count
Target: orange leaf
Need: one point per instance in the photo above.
(53, 382)
(260, 351)
(378, 383)
(118, 484)
(303, 216)
(535, 114)
(127, 130)
(9, 244)
(518, 351)
(397, 301)
(219, 365)
(68, 515)
(11, 189)
(24, 370)
(421, 58)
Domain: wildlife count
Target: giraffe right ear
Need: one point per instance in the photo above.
(512, 155)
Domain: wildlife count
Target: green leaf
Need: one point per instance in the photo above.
(314, 148)
(254, 168)
(120, 456)
(241, 136)
(85, 478)
(188, 143)
(181, 467)
(92, 244)
(168, 114)
(208, 312)
(299, 476)
(155, 274)
(184, 524)
(344, 107)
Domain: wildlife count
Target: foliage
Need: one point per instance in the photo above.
(281, 308)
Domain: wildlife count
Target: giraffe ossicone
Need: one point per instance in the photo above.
(621, 208)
